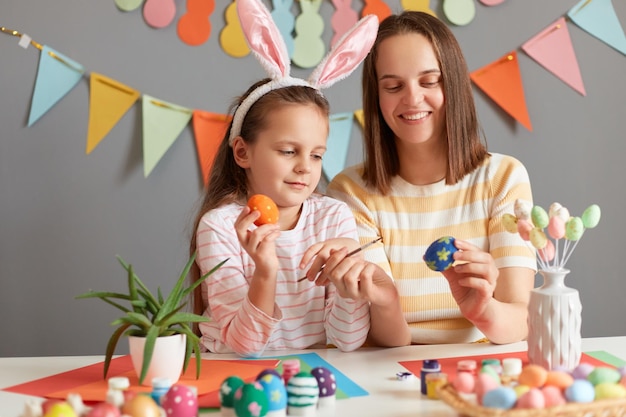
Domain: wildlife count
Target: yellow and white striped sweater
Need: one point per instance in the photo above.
(411, 217)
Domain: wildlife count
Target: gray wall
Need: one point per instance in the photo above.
(65, 215)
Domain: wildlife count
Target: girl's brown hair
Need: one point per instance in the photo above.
(466, 150)
(227, 181)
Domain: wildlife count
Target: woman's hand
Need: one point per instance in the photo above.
(472, 280)
(259, 243)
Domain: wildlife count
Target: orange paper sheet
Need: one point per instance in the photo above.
(89, 383)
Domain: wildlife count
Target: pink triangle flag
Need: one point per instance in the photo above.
(552, 48)
(56, 76)
(598, 18)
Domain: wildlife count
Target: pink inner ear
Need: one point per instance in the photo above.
(263, 37)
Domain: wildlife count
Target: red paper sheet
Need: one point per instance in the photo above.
(89, 383)
(448, 365)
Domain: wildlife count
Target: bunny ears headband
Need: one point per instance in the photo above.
(269, 48)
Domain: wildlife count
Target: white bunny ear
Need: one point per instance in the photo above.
(264, 38)
(347, 54)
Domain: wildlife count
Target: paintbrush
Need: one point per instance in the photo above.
(357, 250)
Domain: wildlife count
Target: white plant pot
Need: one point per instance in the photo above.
(167, 360)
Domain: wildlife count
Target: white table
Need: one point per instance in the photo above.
(372, 368)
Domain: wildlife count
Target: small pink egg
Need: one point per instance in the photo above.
(623, 380)
(553, 396)
(548, 252)
(464, 382)
(556, 227)
(104, 410)
(532, 399)
(524, 227)
(484, 384)
(180, 401)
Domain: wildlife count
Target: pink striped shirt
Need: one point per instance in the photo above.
(304, 314)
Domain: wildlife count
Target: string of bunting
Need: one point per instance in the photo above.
(163, 122)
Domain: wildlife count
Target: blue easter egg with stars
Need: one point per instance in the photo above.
(438, 256)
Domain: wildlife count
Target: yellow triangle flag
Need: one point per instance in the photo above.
(109, 100)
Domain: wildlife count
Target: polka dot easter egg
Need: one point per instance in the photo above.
(227, 392)
(327, 385)
(251, 401)
(266, 206)
(276, 393)
(438, 256)
(180, 401)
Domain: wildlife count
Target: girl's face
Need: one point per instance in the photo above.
(410, 88)
(285, 161)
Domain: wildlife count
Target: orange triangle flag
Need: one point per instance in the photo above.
(502, 81)
(109, 100)
(209, 130)
(552, 48)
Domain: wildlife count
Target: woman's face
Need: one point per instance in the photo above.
(410, 88)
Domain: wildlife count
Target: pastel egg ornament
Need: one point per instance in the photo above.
(227, 392)
(276, 394)
(556, 227)
(539, 217)
(327, 386)
(574, 229)
(524, 227)
(251, 401)
(104, 409)
(591, 216)
(438, 256)
(581, 391)
(509, 222)
(60, 409)
(548, 252)
(302, 395)
(538, 238)
(522, 209)
(180, 401)
(500, 397)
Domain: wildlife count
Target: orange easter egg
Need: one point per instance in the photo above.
(266, 206)
(534, 376)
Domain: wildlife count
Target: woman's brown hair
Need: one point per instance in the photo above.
(466, 150)
(227, 182)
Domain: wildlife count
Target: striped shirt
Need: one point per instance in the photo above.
(411, 217)
(304, 314)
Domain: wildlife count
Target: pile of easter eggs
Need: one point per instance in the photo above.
(538, 388)
(300, 394)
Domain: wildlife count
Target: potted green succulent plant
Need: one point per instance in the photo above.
(151, 317)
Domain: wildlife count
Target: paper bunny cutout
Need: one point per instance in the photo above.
(269, 48)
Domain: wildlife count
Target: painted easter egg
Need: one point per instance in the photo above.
(275, 391)
(180, 401)
(556, 227)
(539, 217)
(574, 228)
(438, 256)
(228, 388)
(266, 206)
(104, 409)
(553, 395)
(522, 209)
(602, 374)
(547, 252)
(500, 397)
(533, 375)
(268, 371)
(581, 391)
(538, 238)
(610, 390)
(591, 216)
(60, 409)
(302, 393)
(251, 400)
(327, 385)
(509, 222)
(524, 227)
(141, 406)
(582, 370)
(533, 398)
(554, 207)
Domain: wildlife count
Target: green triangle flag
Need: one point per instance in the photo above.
(162, 124)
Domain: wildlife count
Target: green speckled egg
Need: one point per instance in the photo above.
(591, 216)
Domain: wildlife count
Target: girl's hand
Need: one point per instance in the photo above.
(259, 243)
(321, 252)
(472, 280)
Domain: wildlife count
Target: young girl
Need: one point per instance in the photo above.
(274, 146)
(426, 175)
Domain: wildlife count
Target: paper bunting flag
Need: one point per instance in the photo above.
(552, 48)
(128, 5)
(209, 130)
(162, 124)
(159, 13)
(334, 160)
(502, 81)
(360, 117)
(56, 76)
(309, 48)
(232, 38)
(377, 7)
(285, 21)
(109, 100)
(598, 18)
(491, 2)
(194, 27)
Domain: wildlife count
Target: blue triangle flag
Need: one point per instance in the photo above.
(338, 143)
(56, 76)
(598, 18)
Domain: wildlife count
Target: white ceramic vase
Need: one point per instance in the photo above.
(167, 360)
(554, 322)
